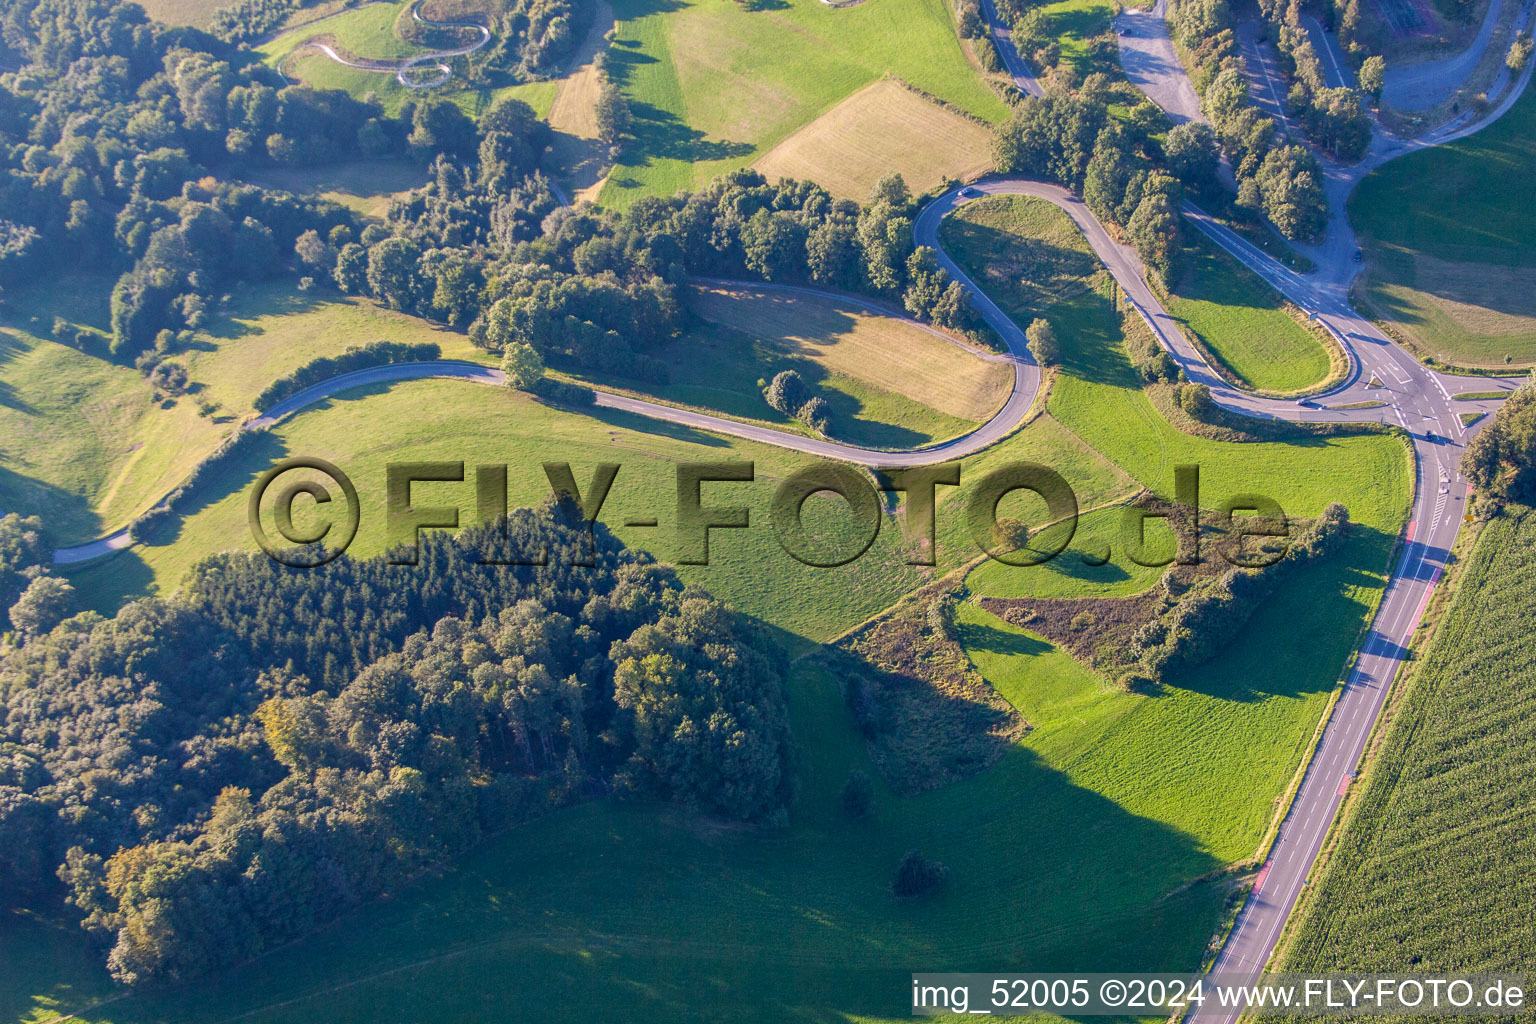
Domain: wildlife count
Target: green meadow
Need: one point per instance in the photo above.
(714, 84)
(86, 446)
(1246, 325)
(1450, 239)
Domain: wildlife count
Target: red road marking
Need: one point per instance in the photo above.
(1258, 883)
(1343, 785)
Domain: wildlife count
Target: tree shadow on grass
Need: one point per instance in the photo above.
(11, 400)
(796, 922)
(11, 347)
(660, 135)
(986, 638)
(274, 301)
(67, 517)
(660, 428)
(1298, 640)
(105, 585)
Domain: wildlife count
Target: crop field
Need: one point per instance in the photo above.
(85, 446)
(1450, 237)
(881, 129)
(714, 85)
(1246, 324)
(1434, 869)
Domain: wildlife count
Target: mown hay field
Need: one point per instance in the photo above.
(880, 130)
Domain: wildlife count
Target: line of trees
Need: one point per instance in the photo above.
(1281, 182)
(1073, 140)
(1334, 118)
(599, 290)
(1202, 621)
(1500, 461)
(208, 776)
(356, 357)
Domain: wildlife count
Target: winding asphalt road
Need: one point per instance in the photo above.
(1417, 399)
(1421, 86)
(1002, 37)
(1409, 394)
(403, 66)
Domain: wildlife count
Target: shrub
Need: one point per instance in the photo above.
(1009, 534)
(1195, 399)
(560, 392)
(916, 875)
(787, 392)
(816, 414)
(858, 794)
(1136, 680)
(987, 55)
(169, 377)
(150, 525)
(1158, 366)
(1042, 342)
(523, 366)
(940, 616)
(358, 357)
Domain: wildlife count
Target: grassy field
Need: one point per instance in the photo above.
(366, 186)
(450, 420)
(576, 150)
(1247, 327)
(846, 339)
(1073, 24)
(197, 13)
(878, 130)
(83, 444)
(632, 913)
(1210, 754)
(890, 383)
(1450, 235)
(715, 85)
(1051, 272)
(1434, 869)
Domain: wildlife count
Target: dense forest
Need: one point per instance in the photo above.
(208, 776)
